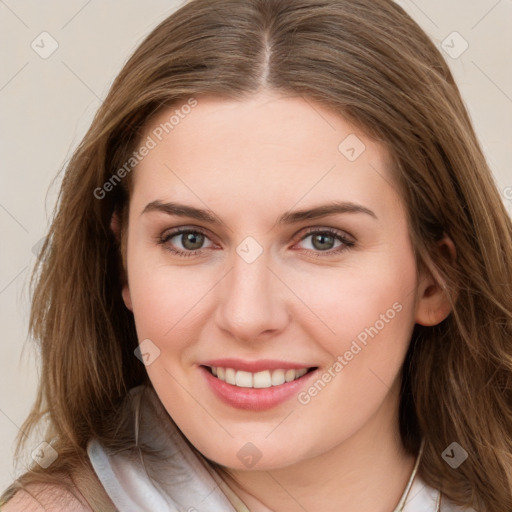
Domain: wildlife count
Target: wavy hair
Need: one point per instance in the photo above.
(368, 61)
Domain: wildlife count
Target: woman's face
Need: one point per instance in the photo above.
(266, 236)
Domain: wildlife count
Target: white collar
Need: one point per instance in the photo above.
(175, 479)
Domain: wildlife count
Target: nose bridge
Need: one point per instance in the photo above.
(249, 301)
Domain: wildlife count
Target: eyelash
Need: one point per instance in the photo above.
(346, 243)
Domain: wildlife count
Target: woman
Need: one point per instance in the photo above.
(256, 368)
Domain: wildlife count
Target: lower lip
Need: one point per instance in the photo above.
(254, 399)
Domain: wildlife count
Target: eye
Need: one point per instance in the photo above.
(324, 240)
(191, 240)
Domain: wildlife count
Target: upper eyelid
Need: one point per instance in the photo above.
(172, 232)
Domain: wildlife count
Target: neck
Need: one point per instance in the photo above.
(368, 471)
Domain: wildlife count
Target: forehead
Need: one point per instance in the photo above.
(280, 149)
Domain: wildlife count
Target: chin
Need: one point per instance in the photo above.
(253, 456)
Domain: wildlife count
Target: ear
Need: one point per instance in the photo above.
(127, 297)
(432, 301)
(115, 226)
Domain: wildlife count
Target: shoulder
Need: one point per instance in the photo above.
(46, 498)
(81, 492)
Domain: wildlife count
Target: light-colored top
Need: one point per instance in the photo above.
(175, 479)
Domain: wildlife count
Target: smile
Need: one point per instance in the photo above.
(255, 386)
(263, 379)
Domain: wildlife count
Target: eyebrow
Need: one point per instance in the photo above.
(294, 217)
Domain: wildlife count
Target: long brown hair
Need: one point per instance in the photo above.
(371, 63)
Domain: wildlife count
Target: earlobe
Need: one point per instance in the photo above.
(127, 299)
(433, 305)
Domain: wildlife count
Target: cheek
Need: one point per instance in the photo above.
(374, 329)
(167, 302)
(372, 314)
(351, 302)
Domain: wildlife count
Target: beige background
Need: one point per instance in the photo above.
(46, 105)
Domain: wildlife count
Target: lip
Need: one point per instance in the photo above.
(255, 366)
(255, 399)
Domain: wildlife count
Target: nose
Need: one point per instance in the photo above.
(251, 301)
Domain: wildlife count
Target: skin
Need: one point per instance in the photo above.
(249, 162)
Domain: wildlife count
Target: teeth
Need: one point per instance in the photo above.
(230, 376)
(289, 375)
(264, 379)
(243, 379)
(278, 377)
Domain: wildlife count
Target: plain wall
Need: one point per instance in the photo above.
(47, 104)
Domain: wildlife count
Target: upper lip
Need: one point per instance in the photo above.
(255, 366)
